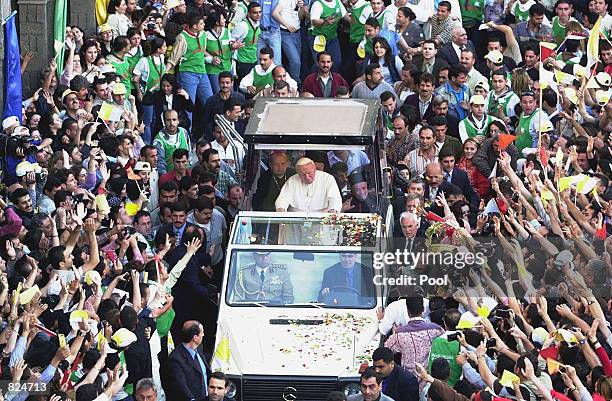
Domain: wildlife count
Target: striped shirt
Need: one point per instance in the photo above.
(416, 161)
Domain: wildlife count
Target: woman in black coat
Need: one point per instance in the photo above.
(169, 96)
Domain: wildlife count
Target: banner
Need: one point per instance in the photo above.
(12, 69)
(59, 33)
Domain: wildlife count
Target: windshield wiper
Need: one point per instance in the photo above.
(313, 304)
(248, 303)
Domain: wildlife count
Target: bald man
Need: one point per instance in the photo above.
(451, 52)
(271, 181)
(310, 190)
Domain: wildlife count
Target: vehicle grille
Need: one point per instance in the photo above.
(268, 388)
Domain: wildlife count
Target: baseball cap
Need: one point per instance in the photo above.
(9, 122)
(483, 84)
(603, 79)
(26, 167)
(319, 43)
(546, 126)
(107, 68)
(142, 166)
(119, 89)
(104, 28)
(66, 93)
(477, 99)
(602, 97)
(563, 258)
(495, 56)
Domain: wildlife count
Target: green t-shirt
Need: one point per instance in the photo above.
(193, 59)
(261, 80)
(248, 52)
(472, 16)
(442, 348)
(329, 31)
(357, 29)
(219, 46)
(523, 134)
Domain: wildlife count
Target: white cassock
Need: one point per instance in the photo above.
(323, 193)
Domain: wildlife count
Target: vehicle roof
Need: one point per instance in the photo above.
(311, 121)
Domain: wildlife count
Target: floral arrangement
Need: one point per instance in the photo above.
(356, 231)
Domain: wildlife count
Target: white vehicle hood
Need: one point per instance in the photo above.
(337, 347)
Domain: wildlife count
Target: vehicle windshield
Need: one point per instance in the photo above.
(300, 278)
(332, 230)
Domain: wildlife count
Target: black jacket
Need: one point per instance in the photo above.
(186, 381)
(179, 103)
(447, 52)
(401, 385)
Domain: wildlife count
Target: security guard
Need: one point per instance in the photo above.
(264, 281)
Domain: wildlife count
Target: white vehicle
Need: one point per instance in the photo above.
(306, 327)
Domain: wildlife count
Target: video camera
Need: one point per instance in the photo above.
(9, 145)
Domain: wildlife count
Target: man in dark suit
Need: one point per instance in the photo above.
(423, 100)
(348, 273)
(451, 52)
(214, 104)
(457, 176)
(427, 61)
(271, 181)
(188, 370)
(398, 383)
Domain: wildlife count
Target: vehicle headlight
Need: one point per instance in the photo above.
(231, 390)
(351, 389)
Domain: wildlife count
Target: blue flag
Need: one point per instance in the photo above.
(12, 70)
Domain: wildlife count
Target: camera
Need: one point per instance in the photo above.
(453, 336)
(503, 313)
(151, 26)
(10, 144)
(491, 342)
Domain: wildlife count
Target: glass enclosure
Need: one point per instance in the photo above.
(328, 230)
(320, 279)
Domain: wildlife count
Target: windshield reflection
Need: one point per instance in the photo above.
(317, 279)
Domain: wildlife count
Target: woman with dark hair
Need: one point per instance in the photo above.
(88, 54)
(77, 36)
(147, 77)
(390, 65)
(170, 96)
(480, 182)
(117, 18)
(218, 47)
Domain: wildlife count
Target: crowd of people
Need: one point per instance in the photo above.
(120, 185)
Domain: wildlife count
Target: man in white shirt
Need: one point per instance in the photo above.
(261, 75)
(226, 151)
(309, 190)
(377, 10)
(288, 13)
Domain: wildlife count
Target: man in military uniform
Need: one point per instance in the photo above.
(264, 281)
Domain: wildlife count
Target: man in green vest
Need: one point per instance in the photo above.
(477, 122)
(564, 10)
(188, 54)
(531, 118)
(119, 60)
(356, 32)
(448, 348)
(169, 139)
(247, 32)
(147, 78)
(261, 75)
(501, 100)
(324, 17)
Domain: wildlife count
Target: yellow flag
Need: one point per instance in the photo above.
(593, 44)
(508, 379)
(483, 311)
(553, 366)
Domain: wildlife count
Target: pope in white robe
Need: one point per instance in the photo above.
(309, 190)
